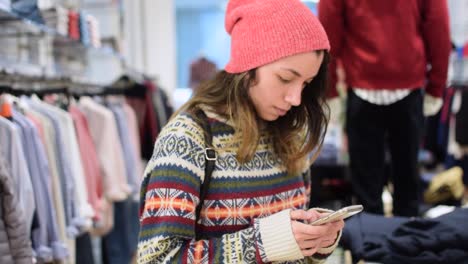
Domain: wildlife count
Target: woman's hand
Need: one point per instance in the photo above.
(311, 238)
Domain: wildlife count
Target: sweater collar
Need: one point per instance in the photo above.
(212, 114)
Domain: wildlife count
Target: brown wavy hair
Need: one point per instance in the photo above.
(294, 136)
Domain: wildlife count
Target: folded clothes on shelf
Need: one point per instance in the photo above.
(27, 9)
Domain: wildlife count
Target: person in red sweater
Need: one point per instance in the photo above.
(395, 58)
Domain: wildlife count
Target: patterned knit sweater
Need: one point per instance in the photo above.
(245, 215)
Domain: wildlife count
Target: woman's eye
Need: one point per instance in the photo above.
(283, 80)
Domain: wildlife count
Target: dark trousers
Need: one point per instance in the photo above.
(84, 249)
(372, 129)
(120, 244)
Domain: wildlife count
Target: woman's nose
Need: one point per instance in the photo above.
(294, 96)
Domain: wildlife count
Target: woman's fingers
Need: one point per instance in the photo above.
(312, 243)
(328, 241)
(336, 226)
(310, 247)
(309, 215)
(332, 234)
(301, 215)
(307, 232)
(310, 238)
(320, 230)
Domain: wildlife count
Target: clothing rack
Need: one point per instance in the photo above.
(19, 84)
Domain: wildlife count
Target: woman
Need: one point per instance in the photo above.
(265, 111)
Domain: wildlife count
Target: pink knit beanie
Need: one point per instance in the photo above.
(263, 31)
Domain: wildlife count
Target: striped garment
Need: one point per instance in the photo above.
(245, 215)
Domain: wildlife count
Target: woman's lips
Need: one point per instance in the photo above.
(280, 112)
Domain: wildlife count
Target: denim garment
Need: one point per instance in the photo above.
(120, 244)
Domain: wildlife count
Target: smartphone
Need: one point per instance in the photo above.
(343, 213)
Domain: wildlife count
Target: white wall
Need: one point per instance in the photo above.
(133, 48)
(150, 37)
(160, 59)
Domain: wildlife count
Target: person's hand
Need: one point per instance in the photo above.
(336, 108)
(431, 105)
(311, 238)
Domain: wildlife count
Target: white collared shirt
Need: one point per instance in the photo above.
(382, 96)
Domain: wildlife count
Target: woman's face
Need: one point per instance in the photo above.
(278, 85)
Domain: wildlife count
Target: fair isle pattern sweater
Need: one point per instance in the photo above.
(245, 215)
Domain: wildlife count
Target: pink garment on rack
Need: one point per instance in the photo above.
(103, 130)
(90, 159)
(38, 125)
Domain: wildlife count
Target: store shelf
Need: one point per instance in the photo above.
(20, 67)
(13, 25)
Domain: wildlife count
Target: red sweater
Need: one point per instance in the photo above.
(388, 44)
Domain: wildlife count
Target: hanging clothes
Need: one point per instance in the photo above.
(162, 107)
(77, 212)
(135, 139)
(153, 110)
(90, 160)
(43, 237)
(105, 136)
(13, 152)
(104, 132)
(60, 251)
(119, 245)
(15, 245)
(83, 163)
(130, 160)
